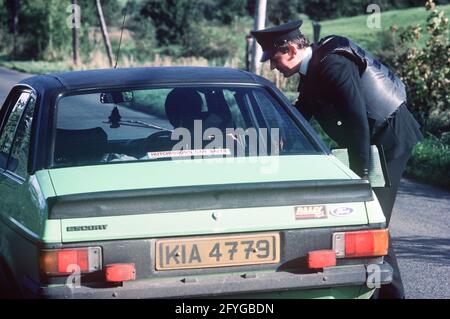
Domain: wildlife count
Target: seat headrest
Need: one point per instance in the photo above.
(183, 106)
(80, 145)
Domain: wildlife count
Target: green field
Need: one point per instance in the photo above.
(356, 28)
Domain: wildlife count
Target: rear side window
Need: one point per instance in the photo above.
(173, 123)
(9, 129)
(20, 149)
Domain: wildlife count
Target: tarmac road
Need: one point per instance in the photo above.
(420, 227)
(7, 79)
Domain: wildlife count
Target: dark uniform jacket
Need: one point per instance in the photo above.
(357, 101)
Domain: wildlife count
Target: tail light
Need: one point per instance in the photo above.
(66, 261)
(321, 258)
(120, 272)
(368, 243)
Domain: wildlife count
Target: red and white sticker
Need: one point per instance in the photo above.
(311, 212)
(188, 153)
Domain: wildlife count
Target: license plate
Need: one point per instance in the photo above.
(219, 251)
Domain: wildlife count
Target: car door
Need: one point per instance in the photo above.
(18, 216)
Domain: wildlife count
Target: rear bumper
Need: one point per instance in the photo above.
(226, 285)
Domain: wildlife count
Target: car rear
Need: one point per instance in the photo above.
(180, 241)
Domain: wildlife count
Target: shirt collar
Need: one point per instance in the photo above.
(305, 62)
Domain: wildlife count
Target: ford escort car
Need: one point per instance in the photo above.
(177, 183)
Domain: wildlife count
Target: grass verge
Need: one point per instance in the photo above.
(430, 162)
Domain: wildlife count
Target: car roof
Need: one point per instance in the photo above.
(141, 76)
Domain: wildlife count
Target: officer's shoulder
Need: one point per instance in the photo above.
(335, 58)
(334, 61)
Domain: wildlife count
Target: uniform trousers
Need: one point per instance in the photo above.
(386, 197)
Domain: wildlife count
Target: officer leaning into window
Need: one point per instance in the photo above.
(357, 101)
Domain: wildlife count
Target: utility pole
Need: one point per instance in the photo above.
(248, 47)
(316, 31)
(260, 22)
(50, 30)
(15, 12)
(104, 32)
(75, 46)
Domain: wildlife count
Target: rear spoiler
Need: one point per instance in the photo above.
(204, 197)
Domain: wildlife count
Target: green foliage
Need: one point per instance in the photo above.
(90, 25)
(430, 162)
(194, 28)
(174, 19)
(43, 32)
(224, 11)
(5, 35)
(281, 11)
(143, 31)
(426, 71)
(209, 41)
(42, 28)
(171, 18)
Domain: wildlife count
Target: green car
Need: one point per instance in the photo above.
(177, 183)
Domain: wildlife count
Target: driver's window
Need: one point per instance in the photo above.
(238, 118)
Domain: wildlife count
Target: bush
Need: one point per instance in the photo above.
(209, 41)
(424, 67)
(430, 162)
(5, 36)
(42, 29)
(171, 17)
(426, 71)
(280, 11)
(144, 36)
(224, 11)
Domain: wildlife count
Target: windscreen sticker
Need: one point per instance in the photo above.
(188, 153)
(311, 212)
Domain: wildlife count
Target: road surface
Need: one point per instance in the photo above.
(7, 79)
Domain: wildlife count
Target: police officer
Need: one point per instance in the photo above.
(358, 102)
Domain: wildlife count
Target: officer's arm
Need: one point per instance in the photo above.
(303, 108)
(341, 83)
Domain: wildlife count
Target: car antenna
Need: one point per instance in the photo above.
(124, 12)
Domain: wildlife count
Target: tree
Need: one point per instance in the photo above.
(45, 35)
(143, 31)
(280, 11)
(42, 29)
(224, 11)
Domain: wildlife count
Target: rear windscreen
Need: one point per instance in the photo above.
(174, 124)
